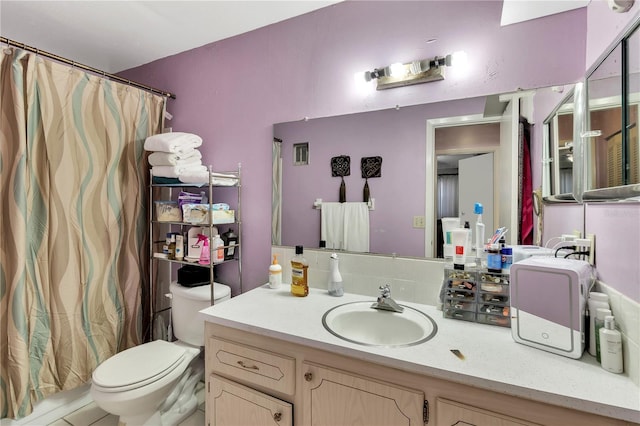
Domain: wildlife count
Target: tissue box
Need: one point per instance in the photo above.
(168, 211)
(198, 213)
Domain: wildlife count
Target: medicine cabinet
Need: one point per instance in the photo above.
(611, 144)
(591, 144)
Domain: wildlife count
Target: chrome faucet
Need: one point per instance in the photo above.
(385, 302)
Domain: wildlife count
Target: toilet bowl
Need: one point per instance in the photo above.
(154, 383)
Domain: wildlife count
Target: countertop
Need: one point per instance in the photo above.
(492, 361)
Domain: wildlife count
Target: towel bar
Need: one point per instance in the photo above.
(317, 204)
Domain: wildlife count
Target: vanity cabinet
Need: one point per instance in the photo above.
(255, 379)
(334, 397)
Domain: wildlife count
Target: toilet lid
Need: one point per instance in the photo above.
(202, 293)
(138, 366)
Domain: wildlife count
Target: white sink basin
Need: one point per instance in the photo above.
(357, 322)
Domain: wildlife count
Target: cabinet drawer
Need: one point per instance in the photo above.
(454, 413)
(252, 365)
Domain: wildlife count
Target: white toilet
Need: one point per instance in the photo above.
(154, 383)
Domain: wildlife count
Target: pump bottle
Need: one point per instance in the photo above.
(275, 273)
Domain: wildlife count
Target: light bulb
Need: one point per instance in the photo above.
(459, 59)
(397, 70)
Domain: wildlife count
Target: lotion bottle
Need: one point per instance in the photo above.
(611, 346)
(596, 300)
(275, 273)
(601, 314)
(299, 267)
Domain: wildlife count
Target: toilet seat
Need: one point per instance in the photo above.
(138, 366)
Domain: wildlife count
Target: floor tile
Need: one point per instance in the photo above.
(59, 422)
(87, 415)
(108, 420)
(196, 419)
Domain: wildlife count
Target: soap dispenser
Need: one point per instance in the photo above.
(335, 279)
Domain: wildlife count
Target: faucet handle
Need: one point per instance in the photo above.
(385, 291)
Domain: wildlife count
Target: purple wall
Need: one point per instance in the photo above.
(231, 92)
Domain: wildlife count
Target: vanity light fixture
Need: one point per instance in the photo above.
(415, 72)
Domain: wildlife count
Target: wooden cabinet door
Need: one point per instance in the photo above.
(449, 413)
(232, 404)
(334, 398)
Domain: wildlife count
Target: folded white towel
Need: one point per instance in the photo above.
(160, 158)
(175, 142)
(202, 177)
(176, 171)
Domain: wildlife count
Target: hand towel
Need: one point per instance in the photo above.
(345, 226)
(332, 224)
(160, 158)
(176, 171)
(175, 142)
(356, 227)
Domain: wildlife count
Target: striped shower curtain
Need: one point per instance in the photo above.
(73, 225)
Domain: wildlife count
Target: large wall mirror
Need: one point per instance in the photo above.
(404, 217)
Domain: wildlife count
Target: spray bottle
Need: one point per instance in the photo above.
(205, 253)
(478, 209)
(335, 279)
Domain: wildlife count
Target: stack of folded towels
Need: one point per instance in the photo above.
(176, 156)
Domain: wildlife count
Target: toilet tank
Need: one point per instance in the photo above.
(186, 302)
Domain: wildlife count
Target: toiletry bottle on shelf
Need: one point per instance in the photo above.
(596, 300)
(230, 241)
(218, 249)
(275, 273)
(299, 267)
(335, 279)
(172, 247)
(179, 247)
(205, 254)
(611, 346)
(478, 209)
(601, 313)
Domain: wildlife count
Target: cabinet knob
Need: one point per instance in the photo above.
(308, 376)
(277, 416)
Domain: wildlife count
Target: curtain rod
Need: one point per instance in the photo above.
(23, 46)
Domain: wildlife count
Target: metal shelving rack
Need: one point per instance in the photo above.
(154, 244)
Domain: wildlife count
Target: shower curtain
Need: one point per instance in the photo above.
(73, 226)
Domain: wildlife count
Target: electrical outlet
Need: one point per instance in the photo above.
(418, 222)
(587, 244)
(592, 248)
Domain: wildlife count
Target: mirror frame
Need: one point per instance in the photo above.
(584, 141)
(551, 159)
